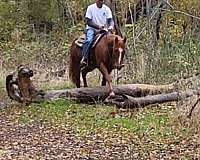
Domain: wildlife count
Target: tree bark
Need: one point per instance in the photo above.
(99, 94)
(130, 102)
(112, 5)
(127, 95)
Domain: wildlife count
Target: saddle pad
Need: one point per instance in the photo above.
(81, 40)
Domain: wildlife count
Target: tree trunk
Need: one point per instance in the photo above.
(112, 5)
(93, 95)
(130, 102)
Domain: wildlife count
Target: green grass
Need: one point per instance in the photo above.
(87, 119)
(53, 112)
(1, 84)
(3, 94)
(58, 86)
(2, 81)
(150, 128)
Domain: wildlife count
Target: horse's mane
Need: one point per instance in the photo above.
(111, 37)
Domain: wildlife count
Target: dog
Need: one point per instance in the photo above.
(21, 88)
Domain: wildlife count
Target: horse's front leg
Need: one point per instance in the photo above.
(103, 82)
(107, 77)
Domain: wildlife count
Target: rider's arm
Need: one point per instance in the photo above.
(90, 23)
(109, 22)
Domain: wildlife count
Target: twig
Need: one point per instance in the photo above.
(181, 12)
(167, 2)
(157, 8)
(195, 104)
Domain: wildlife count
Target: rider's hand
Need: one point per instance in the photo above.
(110, 28)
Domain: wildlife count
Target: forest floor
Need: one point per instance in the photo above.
(67, 130)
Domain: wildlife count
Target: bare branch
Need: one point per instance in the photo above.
(181, 12)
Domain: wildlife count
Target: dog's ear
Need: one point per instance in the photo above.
(20, 67)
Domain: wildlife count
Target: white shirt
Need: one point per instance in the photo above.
(98, 15)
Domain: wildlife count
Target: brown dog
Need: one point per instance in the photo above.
(25, 83)
(21, 89)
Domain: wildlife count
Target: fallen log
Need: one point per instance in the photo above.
(130, 102)
(96, 94)
(127, 95)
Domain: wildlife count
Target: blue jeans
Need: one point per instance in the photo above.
(90, 33)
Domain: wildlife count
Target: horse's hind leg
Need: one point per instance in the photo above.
(76, 78)
(78, 82)
(84, 73)
(103, 82)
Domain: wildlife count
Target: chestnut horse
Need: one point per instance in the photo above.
(106, 55)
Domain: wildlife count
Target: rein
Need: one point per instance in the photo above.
(110, 54)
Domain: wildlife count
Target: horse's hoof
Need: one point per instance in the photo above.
(112, 94)
(120, 67)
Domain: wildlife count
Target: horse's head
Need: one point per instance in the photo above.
(118, 52)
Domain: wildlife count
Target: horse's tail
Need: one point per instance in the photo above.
(74, 64)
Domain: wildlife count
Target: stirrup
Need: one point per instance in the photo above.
(83, 63)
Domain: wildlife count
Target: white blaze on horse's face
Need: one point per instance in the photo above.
(120, 55)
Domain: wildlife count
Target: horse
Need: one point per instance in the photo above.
(106, 55)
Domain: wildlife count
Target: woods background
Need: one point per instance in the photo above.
(163, 47)
(163, 35)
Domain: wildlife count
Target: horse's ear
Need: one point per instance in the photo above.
(124, 40)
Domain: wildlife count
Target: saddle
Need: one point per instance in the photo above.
(80, 41)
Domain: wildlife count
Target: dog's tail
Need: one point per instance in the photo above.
(9, 79)
(13, 89)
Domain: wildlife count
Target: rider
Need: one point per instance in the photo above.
(98, 16)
